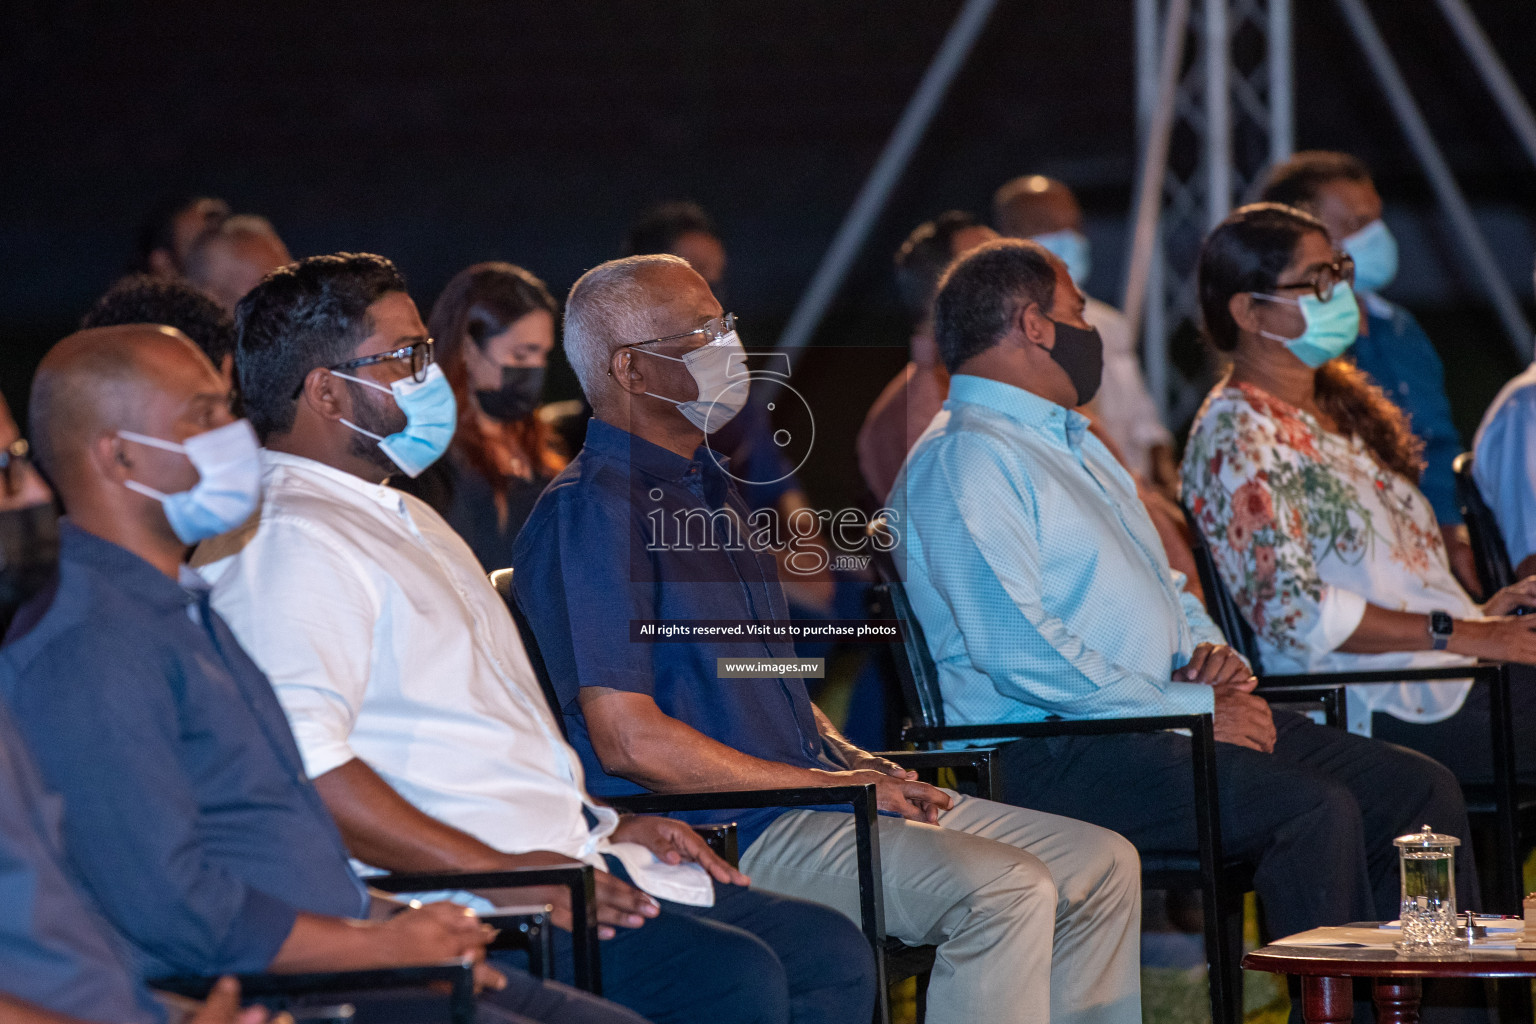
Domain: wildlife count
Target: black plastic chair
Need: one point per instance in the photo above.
(1221, 881)
(281, 990)
(1499, 803)
(1494, 572)
(529, 930)
(894, 961)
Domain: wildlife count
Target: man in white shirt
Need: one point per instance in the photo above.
(1044, 210)
(408, 689)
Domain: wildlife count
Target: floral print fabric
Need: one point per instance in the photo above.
(1306, 528)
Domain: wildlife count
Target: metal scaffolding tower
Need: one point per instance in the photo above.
(1231, 114)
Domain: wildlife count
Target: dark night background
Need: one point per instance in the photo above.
(444, 133)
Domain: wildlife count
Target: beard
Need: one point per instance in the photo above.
(376, 413)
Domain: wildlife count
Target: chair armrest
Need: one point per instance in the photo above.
(579, 880)
(1050, 727)
(860, 798)
(458, 974)
(975, 759)
(1319, 681)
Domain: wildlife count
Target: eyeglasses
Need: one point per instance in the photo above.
(1326, 277)
(714, 330)
(14, 457)
(421, 355)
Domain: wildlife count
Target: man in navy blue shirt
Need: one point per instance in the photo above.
(1029, 910)
(191, 823)
(1392, 347)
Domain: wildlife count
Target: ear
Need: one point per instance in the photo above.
(1036, 326)
(1245, 312)
(322, 393)
(625, 370)
(109, 458)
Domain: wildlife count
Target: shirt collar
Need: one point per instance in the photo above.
(335, 479)
(1024, 407)
(613, 442)
(127, 570)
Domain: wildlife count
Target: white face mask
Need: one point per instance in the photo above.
(720, 371)
(228, 480)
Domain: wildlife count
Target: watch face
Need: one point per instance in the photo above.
(1440, 623)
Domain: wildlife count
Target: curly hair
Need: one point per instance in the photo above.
(1247, 253)
(143, 299)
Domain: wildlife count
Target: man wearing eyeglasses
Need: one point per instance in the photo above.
(1035, 916)
(408, 689)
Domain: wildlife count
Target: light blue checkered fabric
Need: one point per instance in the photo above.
(1037, 576)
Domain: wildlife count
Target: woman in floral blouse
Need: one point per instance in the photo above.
(1303, 478)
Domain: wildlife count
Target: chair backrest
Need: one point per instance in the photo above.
(914, 664)
(1493, 569)
(501, 579)
(1218, 599)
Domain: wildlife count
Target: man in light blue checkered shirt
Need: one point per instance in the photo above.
(1043, 590)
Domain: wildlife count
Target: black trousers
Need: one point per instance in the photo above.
(1317, 817)
(1461, 742)
(752, 958)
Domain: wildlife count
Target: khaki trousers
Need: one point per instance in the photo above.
(1036, 917)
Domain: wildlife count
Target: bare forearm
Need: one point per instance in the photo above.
(382, 828)
(332, 944)
(665, 755)
(1382, 630)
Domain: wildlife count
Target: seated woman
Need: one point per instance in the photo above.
(1303, 478)
(494, 325)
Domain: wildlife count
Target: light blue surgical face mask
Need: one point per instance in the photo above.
(1332, 326)
(1374, 251)
(228, 480)
(1071, 247)
(431, 414)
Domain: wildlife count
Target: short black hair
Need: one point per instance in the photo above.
(1297, 181)
(158, 231)
(659, 227)
(982, 291)
(145, 299)
(921, 260)
(310, 313)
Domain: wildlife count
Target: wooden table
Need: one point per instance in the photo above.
(1327, 973)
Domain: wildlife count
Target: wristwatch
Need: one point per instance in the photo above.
(1440, 626)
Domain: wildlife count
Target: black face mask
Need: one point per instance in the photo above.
(521, 389)
(29, 553)
(1081, 354)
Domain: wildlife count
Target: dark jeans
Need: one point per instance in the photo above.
(753, 958)
(1316, 818)
(1461, 742)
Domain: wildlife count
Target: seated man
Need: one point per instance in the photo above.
(1042, 591)
(912, 398)
(412, 699)
(1504, 466)
(1044, 210)
(190, 822)
(146, 299)
(1337, 189)
(1029, 910)
(59, 958)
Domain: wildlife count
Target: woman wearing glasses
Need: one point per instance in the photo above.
(1303, 478)
(494, 326)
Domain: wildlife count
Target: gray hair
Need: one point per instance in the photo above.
(607, 309)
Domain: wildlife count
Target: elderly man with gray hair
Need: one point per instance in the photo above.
(1035, 916)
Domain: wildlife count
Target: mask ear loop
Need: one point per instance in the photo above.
(152, 442)
(1289, 302)
(367, 383)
